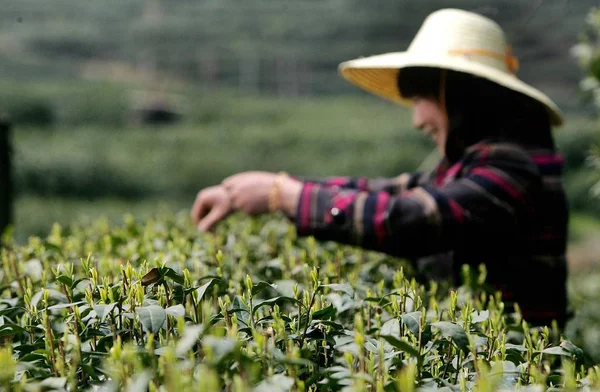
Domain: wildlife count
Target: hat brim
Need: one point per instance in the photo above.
(379, 74)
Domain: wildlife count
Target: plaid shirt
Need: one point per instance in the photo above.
(499, 204)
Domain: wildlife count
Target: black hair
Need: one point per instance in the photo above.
(479, 109)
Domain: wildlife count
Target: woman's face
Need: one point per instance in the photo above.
(429, 117)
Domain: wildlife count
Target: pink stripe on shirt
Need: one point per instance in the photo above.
(457, 211)
(542, 159)
(305, 207)
(380, 215)
(501, 181)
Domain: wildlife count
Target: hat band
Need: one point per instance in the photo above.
(512, 63)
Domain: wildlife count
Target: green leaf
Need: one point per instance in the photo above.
(90, 371)
(62, 306)
(455, 332)
(273, 301)
(170, 273)
(595, 67)
(412, 321)
(189, 339)
(32, 357)
(65, 280)
(238, 306)
(275, 383)
(176, 311)
(391, 328)
(104, 310)
(479, 317)
(324, 314)
(557, 350)
(24, 349)
(54, 383)
(572, 349)
(284, 359)
(402, 345)
(516, 347)
(285, 287)
(222, 347)
(202, 289)
(329, 323)
(260, 286)
(11, 329)
(152, 317)
(77, 281)
(344, 287)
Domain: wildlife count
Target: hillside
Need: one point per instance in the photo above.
(267, 46)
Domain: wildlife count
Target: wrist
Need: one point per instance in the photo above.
(284, 195)
(290, 196)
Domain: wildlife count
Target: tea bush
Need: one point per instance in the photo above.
(155, 305)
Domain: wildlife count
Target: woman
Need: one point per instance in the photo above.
(496, 196)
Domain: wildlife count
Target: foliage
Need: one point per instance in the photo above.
(587, 52)
(266, 45)
(156, 305)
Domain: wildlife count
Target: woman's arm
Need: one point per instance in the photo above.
(494, 194)
(393, 186)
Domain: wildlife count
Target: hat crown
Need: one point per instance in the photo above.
(475, 38)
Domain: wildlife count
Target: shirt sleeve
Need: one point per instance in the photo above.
(495, 193)
(392, 186)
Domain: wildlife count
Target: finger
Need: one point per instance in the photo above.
(199, 209)
(212, 218)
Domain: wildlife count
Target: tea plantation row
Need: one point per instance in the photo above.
(157, 306)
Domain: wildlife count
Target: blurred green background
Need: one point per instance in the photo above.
(134, 106)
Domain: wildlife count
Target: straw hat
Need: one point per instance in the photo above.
(448, 39)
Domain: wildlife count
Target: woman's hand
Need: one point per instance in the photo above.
(211, 206)
(250, 191)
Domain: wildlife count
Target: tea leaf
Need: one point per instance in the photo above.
(65, 280)
(202, 289)
(260, 286)
(176, 311)
(273, 301)
(221, 347)
(572, 349)
(455, 332)
(345, 288)
(152, 317)
(402, 345)
(170, 273)
(62, 306)
(151, 277)
(480, 316)
(557, 350)
(54, 383)
(275, 383)
(391, 328)
(412, 321)
(189, 339)
(104, 310)
(324, 314)
(239, 307)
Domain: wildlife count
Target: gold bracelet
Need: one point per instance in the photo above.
(275, 192)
